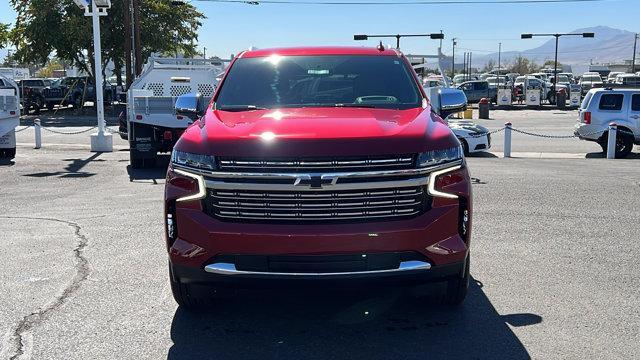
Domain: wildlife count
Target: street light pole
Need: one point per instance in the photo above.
(453, 59)
(100, 141)
(555, 68)
(360, 37)
(633, 62)
(555, 63)
(499, 53)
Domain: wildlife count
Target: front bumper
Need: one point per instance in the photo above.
(426, 246)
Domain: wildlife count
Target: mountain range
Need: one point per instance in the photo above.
(608, 46)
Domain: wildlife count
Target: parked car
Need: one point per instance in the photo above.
(31, 96)
(478, 89)
(448, 101)
(628, 80)
(296, 173)
(495, 81)
(611, 78)
(603, 106)
(75, 91)
(460, 78)
(589, 81)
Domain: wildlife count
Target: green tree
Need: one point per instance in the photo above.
(490, 65)
(58, 27)
(4, 35)
(550, 64)
(522, 65)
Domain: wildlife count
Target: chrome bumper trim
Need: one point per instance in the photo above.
(339, 175)
(224, 185)
(230, 269)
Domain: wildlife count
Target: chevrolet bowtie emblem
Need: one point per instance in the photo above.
(315, 181)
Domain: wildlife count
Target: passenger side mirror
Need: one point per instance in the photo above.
(190, 105)
(451, 101)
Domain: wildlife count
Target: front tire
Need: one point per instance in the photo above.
(458, 287)
(465, 147)
(8, 154)
(187, 295)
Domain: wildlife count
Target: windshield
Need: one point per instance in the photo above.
(300, 81)
(591, 78)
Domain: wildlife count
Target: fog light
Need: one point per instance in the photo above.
(465, 221)
(171, 229)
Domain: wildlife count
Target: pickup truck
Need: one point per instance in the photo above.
(316, 164)
(74, 91)
(478, 89)
(31, 93)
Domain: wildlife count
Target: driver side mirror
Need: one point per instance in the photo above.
(190, 105)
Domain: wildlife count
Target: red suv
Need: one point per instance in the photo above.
(311, 165)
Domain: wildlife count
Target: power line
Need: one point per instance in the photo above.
(432, 2)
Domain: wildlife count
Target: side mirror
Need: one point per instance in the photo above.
(190, 105)
(451, 101)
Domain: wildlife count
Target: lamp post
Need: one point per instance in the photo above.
(633, 62)
(437, 36)
(100, 141)
(555, 63)
(453, 58)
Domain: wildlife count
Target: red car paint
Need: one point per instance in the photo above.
(309, 132)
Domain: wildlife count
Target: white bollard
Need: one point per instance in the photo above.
(38, 130)
(611, 141)
(507, 140)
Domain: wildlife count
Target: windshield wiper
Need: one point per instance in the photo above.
(355, 105)
(238, 108)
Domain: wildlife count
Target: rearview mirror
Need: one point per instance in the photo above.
(190, 105)
(451, 101)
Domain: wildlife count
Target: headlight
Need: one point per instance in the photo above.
(198, 161)
(436, 157)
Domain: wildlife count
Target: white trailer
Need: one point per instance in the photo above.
(9, 116)
(153, 125)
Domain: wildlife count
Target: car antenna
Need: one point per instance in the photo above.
(380, 46)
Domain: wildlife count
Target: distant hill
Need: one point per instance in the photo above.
(609, 46)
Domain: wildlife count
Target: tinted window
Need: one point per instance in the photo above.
(611, 102)
(635, 102)
(295, 81)
(481, 85)
(32, 83)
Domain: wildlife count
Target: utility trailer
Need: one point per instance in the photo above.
(153, 126)
(9, 117)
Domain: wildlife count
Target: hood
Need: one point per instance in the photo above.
(317, 132)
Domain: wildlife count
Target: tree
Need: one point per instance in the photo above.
(4, 35)
(522, 65)
(551, 63)
(490, 65)
(49, 68)
(47, 27)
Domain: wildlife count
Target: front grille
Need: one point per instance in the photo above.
(325, 206)
(338, 164)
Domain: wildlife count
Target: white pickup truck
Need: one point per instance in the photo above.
(9, 117)
(153, 125)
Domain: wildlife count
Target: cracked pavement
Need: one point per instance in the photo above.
(554, 258)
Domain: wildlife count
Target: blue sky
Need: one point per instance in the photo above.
(230, 28)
